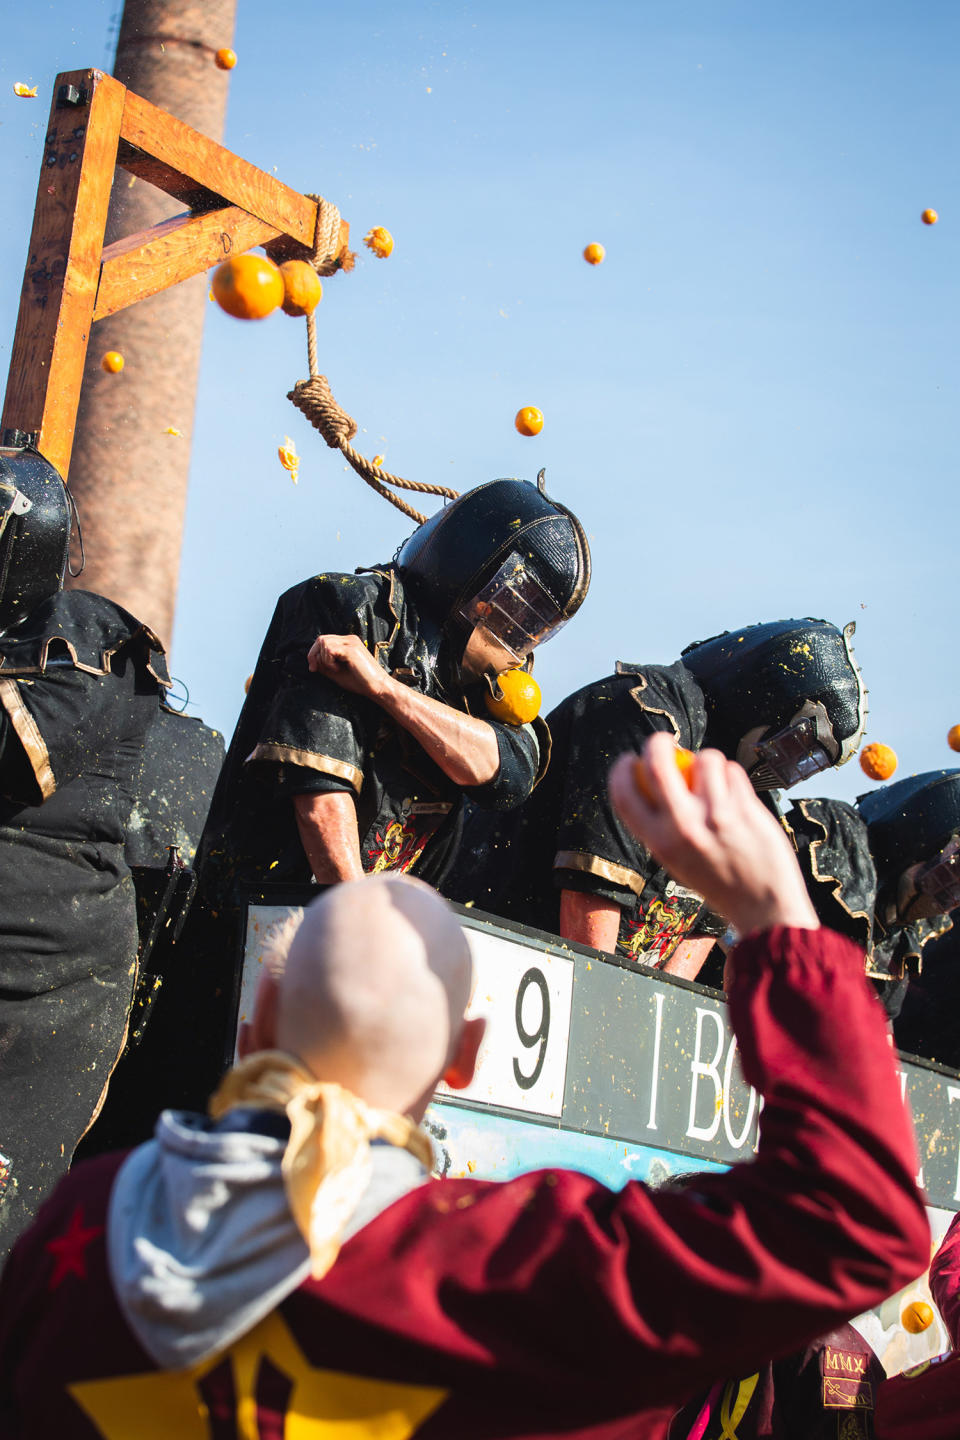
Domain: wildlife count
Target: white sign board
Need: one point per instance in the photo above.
(525, 996)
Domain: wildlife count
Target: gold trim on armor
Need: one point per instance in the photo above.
(326, 764)
(544, 739)
(652, 709)
(104, 668)
(28, 733)
(593, 865)
(828, 879)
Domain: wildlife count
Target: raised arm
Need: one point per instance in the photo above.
(675, 1287)
(465, 748)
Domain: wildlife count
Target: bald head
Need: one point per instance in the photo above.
(373, 995)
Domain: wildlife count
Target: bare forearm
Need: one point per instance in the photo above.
(688, 959)
(588, 920)
(464, 747)
(328, 833)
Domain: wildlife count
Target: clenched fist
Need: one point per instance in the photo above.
(346, 660)
(719, 840)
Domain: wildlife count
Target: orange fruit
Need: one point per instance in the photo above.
(878, 762)
(529, 420)
(380, 241)
(112, 362)
(953, 738)
(917, 1316)
(246, 685)
(685, 762)
(248, 287)
(929, 217)
(302, 291)
(225, 59)
(594, 254)
(519, 701)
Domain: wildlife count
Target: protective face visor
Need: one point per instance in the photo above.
(939, 878)
(793, 754)
(510, 616)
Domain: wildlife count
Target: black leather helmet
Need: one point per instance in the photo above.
(785, 698)
(913, 821)
(34, 532)
(503, 558)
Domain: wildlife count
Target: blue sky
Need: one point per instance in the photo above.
(752, 404)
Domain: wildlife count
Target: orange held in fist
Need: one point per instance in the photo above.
(529, 420)
(112, 362)
(953, 737)
(929, 217)
(380, 241)
(878, 762)
(593, 254)
(302, 291)
(225, 59)
(917, 1316)
(519, 699)
(248, 287)
(641, 776)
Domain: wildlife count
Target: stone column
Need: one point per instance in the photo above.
(129, 476)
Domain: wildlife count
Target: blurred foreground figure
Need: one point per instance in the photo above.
(826, 1391)
(289, 1257)
(784, 698)
(79, 685)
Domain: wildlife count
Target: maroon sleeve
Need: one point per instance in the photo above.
(945, 1279)
(655, 1293)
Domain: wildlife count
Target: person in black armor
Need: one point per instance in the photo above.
(79, 685)
(929, 1019)
(785, 699)
(914, 832)
(182, 759)
(885, 872)
(365, 725)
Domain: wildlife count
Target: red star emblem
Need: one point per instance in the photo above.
(68, 1249)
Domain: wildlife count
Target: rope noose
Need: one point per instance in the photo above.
(313, 397)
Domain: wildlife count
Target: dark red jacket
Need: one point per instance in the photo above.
(542, 1307)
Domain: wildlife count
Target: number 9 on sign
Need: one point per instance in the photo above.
(525, 996)
(539, 1002)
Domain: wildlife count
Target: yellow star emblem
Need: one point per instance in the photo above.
(321, 1405)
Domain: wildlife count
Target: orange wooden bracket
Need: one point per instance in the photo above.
(72, 280)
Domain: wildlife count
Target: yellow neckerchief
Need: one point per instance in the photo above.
(326, 1165)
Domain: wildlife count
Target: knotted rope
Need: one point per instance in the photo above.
(325, 254)
(313, 397)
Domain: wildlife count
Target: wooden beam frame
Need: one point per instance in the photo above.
(71, 279)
